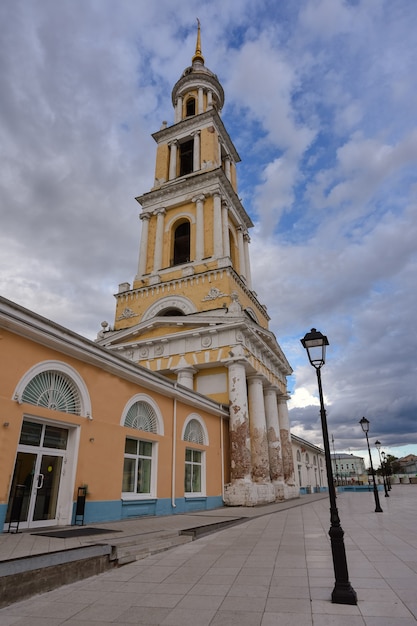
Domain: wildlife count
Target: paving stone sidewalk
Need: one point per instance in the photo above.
(273, 569)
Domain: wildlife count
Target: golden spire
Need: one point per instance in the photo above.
(198, 55)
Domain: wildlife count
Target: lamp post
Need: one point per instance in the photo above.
(365, 427)
(343, 593)
(378, 447)
(387, 476)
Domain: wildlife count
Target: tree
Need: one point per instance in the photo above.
(391, 465)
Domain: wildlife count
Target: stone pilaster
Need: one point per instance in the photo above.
(159, 239)
(143, 250)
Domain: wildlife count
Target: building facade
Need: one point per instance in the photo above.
(310, 466)
(74, 415)
(181, 404)
(348, 469)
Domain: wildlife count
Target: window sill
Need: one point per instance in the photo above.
(138, 498)
(195, 497)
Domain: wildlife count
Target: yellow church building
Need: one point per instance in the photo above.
(181, 403)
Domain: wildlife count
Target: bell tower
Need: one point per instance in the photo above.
(191, 313)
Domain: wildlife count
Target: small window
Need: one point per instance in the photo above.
(182, 243)
(137, 468)
(193, 471)
(190, 107)
(307, 458)
(298, 456)
(186, 157)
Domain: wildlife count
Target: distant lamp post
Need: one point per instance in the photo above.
(365, 427)
(387, 477)
(343, 593)
(378, 447)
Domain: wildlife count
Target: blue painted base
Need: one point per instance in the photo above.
(116, 510)
(3, 511)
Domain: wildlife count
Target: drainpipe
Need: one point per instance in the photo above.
(222, 452)
(174, 451)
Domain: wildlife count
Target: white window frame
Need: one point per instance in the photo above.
(133, 495)
(202, 492)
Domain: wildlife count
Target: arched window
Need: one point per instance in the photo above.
(298, 456)
(190, 107)
(53, 390)
(194, 432)
(142, 416)
(182, 243)
(307, 458)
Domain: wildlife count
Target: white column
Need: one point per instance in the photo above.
(240, 456)
(159, 239)
(246, 240)
(242, 268)
(196, 151)
(143, 250)
(257, 427)
(284, 425)
(227, 168)
(217, 226)
(200, 100)
(209, 99)
(225, 224)
(173, 159)
(185, 377)
(178, 109)
(273, 432)
(199, 235)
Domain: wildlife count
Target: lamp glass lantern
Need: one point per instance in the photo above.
(315, 343)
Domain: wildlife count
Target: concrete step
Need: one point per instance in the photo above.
(135, 547)
(129, 551)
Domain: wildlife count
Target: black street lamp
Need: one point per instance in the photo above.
(365, 427)
(387, 476)
(378, 447)
(343, 593)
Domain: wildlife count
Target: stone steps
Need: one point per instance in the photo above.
(138, 547)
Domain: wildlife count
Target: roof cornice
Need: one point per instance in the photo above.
(25, 323)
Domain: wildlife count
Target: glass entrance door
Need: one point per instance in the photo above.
(37, 474)
(46, 489)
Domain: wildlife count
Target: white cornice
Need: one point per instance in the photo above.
(196, 122)
(175, 192)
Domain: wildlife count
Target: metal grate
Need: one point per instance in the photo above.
(194, 432)
(142, 417)
(53, 390)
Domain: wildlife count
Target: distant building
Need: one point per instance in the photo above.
(348, 468)
(309, 464)
(408, 464)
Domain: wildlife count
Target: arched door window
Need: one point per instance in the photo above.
(182, 243)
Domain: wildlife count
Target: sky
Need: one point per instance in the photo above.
(320, 102)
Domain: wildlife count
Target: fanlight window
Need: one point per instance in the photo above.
(53, 390)
(194, 432)
(142, 417)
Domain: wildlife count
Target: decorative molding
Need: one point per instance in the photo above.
(214, 293)
(127, 313)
